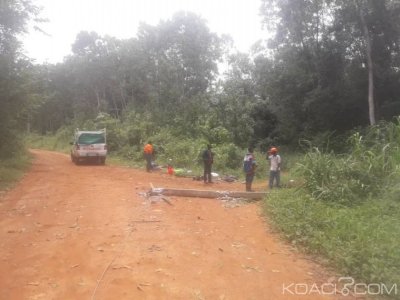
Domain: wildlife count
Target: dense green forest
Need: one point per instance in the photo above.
(179, 80)
(326, 84)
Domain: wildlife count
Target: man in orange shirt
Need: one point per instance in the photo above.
(148, 155)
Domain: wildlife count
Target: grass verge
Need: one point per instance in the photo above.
(360, 241)
(12, 169)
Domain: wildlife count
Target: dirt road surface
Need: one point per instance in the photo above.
(85, 232)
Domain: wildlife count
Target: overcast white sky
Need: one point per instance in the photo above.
(120, 18)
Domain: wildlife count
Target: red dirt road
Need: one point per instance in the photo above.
(84, 232)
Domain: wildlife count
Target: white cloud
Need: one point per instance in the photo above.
(120, 18)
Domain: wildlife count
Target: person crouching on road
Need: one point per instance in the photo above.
(148, 155)
(249, 167)
(208, 159)
(275, 167)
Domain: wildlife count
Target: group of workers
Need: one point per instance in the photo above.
(249, 164)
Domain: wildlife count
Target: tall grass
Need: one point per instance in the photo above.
(362, 241)
(371, 165)
(348, 208)
(12, 169)
(57, 142)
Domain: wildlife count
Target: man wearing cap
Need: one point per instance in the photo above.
(275, 167)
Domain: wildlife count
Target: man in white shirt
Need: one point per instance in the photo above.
(275, 167)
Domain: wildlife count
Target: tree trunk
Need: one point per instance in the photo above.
(28, 124)
(370, 65)
(98, 99)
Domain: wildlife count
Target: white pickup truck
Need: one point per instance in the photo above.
(89, 146)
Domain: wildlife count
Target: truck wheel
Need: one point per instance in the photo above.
(103, 161)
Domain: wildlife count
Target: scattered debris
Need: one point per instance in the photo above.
(229, 178)
(122, 267)
(230, 202)
(198, 295)
(183, 173)
(250, 268)
(60, 236)
(167, 201)
(215, 176)
(154, 248)
(238, 245)
(164, 272)
(144, 284)
(139, 286)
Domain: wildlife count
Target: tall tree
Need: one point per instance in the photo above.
(14, 15)
(325, 56)
(182, 55)
(166, 72)
(370, 64)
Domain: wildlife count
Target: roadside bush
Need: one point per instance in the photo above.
(365, 171)
(356, 224)
(11, 145)
(360, 241)
(12, 169)
(335, 179)
(228, 156)
(180, 152)
(56, 142)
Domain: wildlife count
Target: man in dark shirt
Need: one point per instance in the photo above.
(208, 159)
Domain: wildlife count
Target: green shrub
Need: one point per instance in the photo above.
(360, 241)
(12, 169)
(363, 172)
(356, 225)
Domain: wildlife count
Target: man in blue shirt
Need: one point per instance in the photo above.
(249, 167)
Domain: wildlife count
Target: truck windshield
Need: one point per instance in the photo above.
(91, 138)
